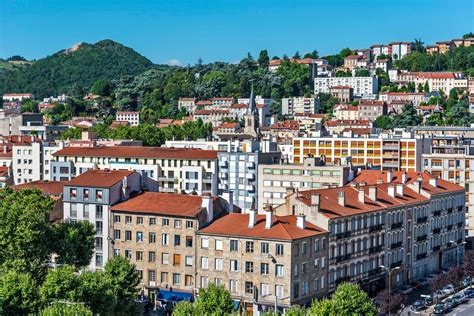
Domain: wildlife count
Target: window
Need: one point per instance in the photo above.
(264, 289)
(165, 222)
(98, 227)
(165, 239)
(176, 259)
(98, 260)
(128, 219)
(296, 288)
(151, 276)
(316, 264)
(86, 194)
(218, 264)
(303, 267)
(139, 220)
(128, 235)
(188, 280)
(249, 246)
(139, 255)
(151, 256)
(164, 277)
(234, 265)
(264, 268)
(73, 210)
(279, 249)
(189, 241)
(303, 248)
(249, 267)
(204, 263)
(152, 221)
(279, 272)
(177, 223)
(204, 281)
(204, 243)
(248, 287)
(116, 218)
(151, 238)
(128, 254)
(177, 240)
(176, 278)
(139, 236)
(99, 212)
(98, 195)
(265, 247)
(73, 193)
(189, 224)
(233, 286)
(116, 234)
(279, 290)
(188, 261)
(219, 244)
(234, 245)
(116, 252)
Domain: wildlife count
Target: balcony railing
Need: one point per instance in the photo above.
(396, 245)
(436, 248)
(421, 238)
(450, 211)
(375, 249)
(449, 228)
(423, 219)
(375, 228)
(374, 272)
(345, 257)
(460, 225)
(342, 280)
(420, 256)
(396, 225)
(343, 235)
(436, 230)
(437, 213)
(396, 264)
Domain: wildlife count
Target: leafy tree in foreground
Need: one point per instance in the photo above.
(66, 309)
(18, 294)
(61, 284)
(215, 299)
(74, 243)
(384, 122)
(95, 292)
(185, 308)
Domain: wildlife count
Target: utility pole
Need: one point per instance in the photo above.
(389, 272)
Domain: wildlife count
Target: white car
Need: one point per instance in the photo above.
(448, 289)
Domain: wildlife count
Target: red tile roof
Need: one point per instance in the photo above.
(18, 95)
(229, 125)
(204, 102)
(139, 152)
(292, 125)
(162, 204)
(54, 188)
(353, 57)
(186, 99)
(99, 178)
(222, 99)
(283, 228)
(239, 106)
(128, 112)
(209, 112)
(347, 122)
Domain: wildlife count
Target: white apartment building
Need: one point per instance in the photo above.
(437, 81)
(258, 100)
(133, 118)
(187, 103)
(399, 50)
(17, 97)
(410, 97)
(291, 106)
(346, 112)
(363, 86)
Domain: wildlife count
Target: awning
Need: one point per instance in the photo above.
(236, 305)
(173, 296)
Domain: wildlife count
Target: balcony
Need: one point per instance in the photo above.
(250, 176)
(450, 211)
(374, 272)
(460, 240)
(343, 257)
(166, 179)
(449, 228)
(437, 213)
(396, 245)
(421, 220)
(396, 225)
(436, 248)
(420, 256)
(223, 164)
(436, 230)
(223, 175)
(342, 280)
(460, 225)
(207, 180)
(422, 237)
(343, 235)
(375, 228)
(396, 264)
(375, 249)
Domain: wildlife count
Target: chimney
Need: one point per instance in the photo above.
(400, 189)
(417, 186)
(290, 190)
(373, 193)
(207, 203)
(300, 221)
(5, 149)
(125, 188)
(229, 197)
(404, 177)
(434, 181)
(389, 176)
(252, 218)
(361, 196)
(268, 217)
(315, 199)
(341, 198)
(391, 190)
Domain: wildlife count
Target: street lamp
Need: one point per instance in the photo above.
(457, 250)
(389, 271)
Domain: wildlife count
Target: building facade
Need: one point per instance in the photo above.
(362, 86)
(291, 106)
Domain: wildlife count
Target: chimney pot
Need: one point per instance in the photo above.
(373, 193)
(252, 218)
(341, 198)
(301, 221)
(389, 176)
(268, 217)
(434, 182)
(400, 189)
(391, 190)
(361, 196)
(404, 177)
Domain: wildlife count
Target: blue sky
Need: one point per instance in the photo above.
(169, 31)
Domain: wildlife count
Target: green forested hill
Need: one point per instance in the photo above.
(75, 69)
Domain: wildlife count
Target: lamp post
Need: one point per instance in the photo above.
(389, 271)
(457, 250)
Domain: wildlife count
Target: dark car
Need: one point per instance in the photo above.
(449, 305)
(418, 305)
(469, 293)
(429, 300)
(460, 298)
(439, 309)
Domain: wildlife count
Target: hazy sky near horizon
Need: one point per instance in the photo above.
(181, 32)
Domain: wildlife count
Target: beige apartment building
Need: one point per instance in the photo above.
(275, 179)
(264, 260)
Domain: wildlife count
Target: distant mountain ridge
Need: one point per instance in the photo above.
(77, 67)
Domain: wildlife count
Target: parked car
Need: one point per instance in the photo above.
(418, 305)
(448, 289)
(469, 293)
(439, 309)
(406, 289)
(451, 302)
(460, 298)
(429, 300)
(424, 282)
(448, 306)
(467, 281)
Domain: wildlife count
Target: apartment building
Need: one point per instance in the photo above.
(238, 172)
(214, 117)
(381, 152)
(10, 97)
(291, 106)
(409, 97)
(157, 232)
(399, 50)
(362, 86)
(353, 61)
(176, 169)
(346, 112)
(437, 81)
(189, 104)
(133, 118)
(370, 110)
(89, 196)
(450, 159)
(342, 93)
(219, 103)
(275, 179)
(405, 220)
(12, 122)
(264, 259)
(379, 49)
(258, 100)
